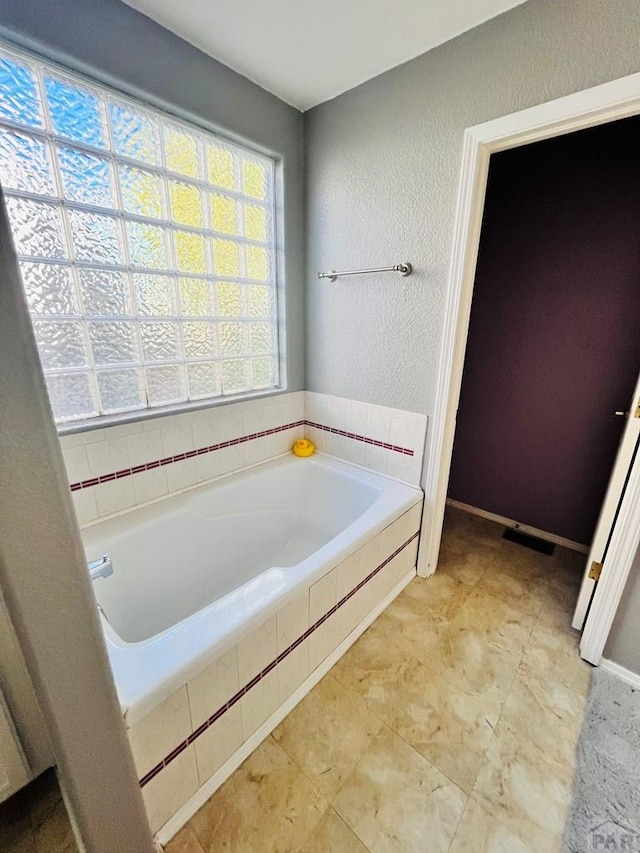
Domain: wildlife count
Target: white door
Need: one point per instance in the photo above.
(615, 491)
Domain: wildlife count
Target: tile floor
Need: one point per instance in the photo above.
(449, 726)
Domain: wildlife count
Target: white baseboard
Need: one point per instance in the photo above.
(523, 528)
(174, 824)
(624, 674)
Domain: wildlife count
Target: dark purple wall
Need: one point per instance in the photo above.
(554, 342)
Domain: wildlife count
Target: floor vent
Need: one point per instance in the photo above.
(526, 541)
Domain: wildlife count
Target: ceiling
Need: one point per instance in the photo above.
(308, 51)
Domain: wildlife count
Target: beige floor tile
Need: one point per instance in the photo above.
(554, 638)
(441, 593)
(185, 841)
(568, 669)
(480, 832)
(520, 593)
(267, 806)
(332, 835)
(523, 790)
(395, 800)
(546, 715)
(327, 733)
(461, 563)
(496, 618)
(451, 726)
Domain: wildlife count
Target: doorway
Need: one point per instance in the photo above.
(597, 106)
(553, 351)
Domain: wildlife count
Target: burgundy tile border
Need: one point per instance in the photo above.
(180, 457)
(363, 438)
(247, 687)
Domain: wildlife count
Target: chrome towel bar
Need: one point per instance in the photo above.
(404, 270)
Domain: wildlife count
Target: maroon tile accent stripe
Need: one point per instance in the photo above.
(179, 457)
(247, 687)
(363, 438)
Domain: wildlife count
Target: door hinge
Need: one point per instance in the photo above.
(636, 414)
(595, 571)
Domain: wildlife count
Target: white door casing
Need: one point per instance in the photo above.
(588, 108)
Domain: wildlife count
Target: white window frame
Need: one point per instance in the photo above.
(163, 117)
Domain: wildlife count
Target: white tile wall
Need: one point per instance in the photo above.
(153, 737)
(393, 426)
(105, 451)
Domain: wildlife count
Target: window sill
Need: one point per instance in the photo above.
(141, 415)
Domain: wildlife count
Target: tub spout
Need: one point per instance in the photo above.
(100, 568)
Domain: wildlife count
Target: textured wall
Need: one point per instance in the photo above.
(383, 163)
(117, 45)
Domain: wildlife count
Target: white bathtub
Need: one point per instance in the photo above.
(195, 572)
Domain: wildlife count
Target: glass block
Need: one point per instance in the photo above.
(224, 214)
(232, 338)
(104, 292)
(141, 192)
(25, 164)
(255, 222)
(263, 373)
(154, 295)
(199, 340)
(195, 298)
(96, 237)
(85, 178)
(220, 169)
(181, 151)
(260, 299)
(19, 97)
(147, 246)
(229, 299)
(235, 376)
(204, 380)
(190, 251)
(49, 288)
(60, 343)
(70, 396)
(260, 338)
(166, 384)
(160, 341)
(113, 342)
(258, 263)
(36, 228)
(186, 204)
(135, 133)
(254, 179)
(75, 111)
(120, 390)
(227, 258)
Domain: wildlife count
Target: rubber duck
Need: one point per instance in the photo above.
(304, 447)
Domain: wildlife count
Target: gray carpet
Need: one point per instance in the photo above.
(605, 812)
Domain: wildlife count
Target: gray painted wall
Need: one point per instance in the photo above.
(382, 169)
(623, 645)
(42, 577)
(116, 45)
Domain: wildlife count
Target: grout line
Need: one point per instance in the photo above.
(222, 445)
(270, 666)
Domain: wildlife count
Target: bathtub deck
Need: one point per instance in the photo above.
(439, 730)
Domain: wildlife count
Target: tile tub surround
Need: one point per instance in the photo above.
(190, 736)
(389, 441)
(119, 467)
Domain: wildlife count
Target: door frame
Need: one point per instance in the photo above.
(588, 108)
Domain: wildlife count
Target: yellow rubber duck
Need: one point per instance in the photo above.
(304, 447)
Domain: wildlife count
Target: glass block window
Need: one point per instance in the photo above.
(147, 246)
